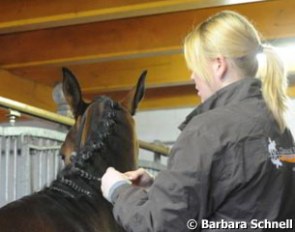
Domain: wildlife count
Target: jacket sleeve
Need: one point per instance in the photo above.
(178, 194)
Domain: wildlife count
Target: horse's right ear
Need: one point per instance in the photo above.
(72, 93)
(135, 95)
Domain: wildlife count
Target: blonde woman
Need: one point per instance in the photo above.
(232, 167)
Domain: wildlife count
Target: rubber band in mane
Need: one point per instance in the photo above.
(75, 180)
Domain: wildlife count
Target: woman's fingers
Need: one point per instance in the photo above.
(140, 177)
(134, 175)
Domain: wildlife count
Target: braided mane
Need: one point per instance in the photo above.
(80, 178)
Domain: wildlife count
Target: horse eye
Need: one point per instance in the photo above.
(62, 156)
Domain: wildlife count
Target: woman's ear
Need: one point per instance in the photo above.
(220, 67)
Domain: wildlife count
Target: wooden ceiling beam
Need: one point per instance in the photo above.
(119, 75)
(161, 98)
(25, 91)
(291, 91)
(130, 38)
(116, 75)
(171, 97)
(19, 16)
(168, 97)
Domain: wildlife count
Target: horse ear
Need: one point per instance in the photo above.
(72, 92)
(135, 95)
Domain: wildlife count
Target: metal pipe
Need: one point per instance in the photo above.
(40, 164)
(7, 168)
(37, 112)
(53, 117)
(15, 171)
(161, 149)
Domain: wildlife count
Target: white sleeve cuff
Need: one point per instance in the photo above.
(114, 187)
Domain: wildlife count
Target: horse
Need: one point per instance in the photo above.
(103, 135)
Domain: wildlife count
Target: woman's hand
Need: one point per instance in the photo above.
(111, 180)
(140, 177)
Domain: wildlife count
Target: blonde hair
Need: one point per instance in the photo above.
(232, 36)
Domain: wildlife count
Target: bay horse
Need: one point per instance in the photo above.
(103, 136)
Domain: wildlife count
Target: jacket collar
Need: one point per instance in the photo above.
(231, 94)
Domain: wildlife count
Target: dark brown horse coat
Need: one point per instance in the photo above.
(103, 136)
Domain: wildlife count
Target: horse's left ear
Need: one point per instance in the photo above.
(72, 93)
(135, 95)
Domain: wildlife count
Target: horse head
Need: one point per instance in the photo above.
(103, 134)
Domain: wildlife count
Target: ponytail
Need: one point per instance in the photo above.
(274, 84)
(233, 36)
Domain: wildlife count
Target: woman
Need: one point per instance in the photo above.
(233, 162)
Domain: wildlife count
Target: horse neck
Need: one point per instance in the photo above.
(84, 175)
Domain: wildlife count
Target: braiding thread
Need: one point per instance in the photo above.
(75, 187)
(86, 175)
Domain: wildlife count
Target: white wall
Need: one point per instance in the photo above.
(159, 125)
(290, 117)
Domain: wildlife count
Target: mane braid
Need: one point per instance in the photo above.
(106, 126)
(87, 175)
(75, 187)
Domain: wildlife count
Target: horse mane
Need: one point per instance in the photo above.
(80, 178)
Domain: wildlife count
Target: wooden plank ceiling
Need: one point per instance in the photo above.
(107, 44)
